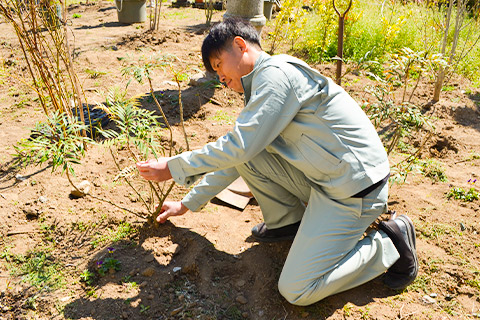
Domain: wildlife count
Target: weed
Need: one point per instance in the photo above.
(143, 308)
(76, 15)
(458, 193)
(448, 88)
(124, 231)
(91, 292)
(87, 277)
(422, 282)
(38, 268)
(94, 74)
(434, 170)
(222, 117)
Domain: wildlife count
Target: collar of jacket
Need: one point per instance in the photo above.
(247, 79)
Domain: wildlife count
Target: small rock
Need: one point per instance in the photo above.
(462, 227)
(20, 178)
(175, 311)
(125, 315)
(305, 314)
(176, 269)
(171, 83)
(428, 300)
(148, 272)
(151, 297)
(31, 213)
(241, 299)
(143, 284)
(42, 199)
(240, 283)
(149, 259)
(433, 295)
(198, 79)
(181, 297)
(83, 189)
(245, 315)
(261, 313)
(448, 297)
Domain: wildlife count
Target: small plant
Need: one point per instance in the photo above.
(108, 265)
(458, 193)
(87, 277)
(124, 231)
(76, 15)
(58, 141)
(38, 268)
(94, 74)
(143, 308)
(434, 170)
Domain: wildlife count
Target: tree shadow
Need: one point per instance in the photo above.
(9, 170)
(196, 280)
(105, 24)
(469, 117)
(193, 98)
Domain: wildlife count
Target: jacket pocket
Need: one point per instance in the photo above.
(318, 157)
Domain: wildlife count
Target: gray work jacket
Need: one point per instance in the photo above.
(293, 111)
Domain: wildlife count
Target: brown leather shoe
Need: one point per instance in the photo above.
(262, 234)
(402, 233)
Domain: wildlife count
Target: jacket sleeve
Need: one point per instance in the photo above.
(211, 184)
(271, 107)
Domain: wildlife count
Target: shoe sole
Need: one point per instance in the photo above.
(412, 243)
(276, 239)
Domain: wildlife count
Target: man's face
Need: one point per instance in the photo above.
(230, 65)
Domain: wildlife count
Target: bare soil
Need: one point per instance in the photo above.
(223, 273)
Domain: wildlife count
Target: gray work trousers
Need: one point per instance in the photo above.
(328, 254)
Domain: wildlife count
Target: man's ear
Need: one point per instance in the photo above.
(240, 43)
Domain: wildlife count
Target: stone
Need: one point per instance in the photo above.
(245, 315)
(31, 213)
(176, 269)
(42, 199)
(198, 79)
(240, 283)
(149, 259)
(20, 178)
(83, 189)
(428, 300)
(148, 272)
(241, 299)
(305, 314)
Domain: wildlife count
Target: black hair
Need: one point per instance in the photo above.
(222, 34)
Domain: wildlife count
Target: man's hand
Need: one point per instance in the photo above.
(156, 170)
(170, 209)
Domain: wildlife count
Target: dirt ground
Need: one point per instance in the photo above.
(205, 265)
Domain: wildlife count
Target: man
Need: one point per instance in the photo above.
(313, 161)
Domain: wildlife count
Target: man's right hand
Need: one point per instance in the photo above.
(156, 170)
(171, 209)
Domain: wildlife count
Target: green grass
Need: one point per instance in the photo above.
(382, 28)
(38, 268)
(122, 232)
(223, 117)
(460, 194)
(434, 170)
